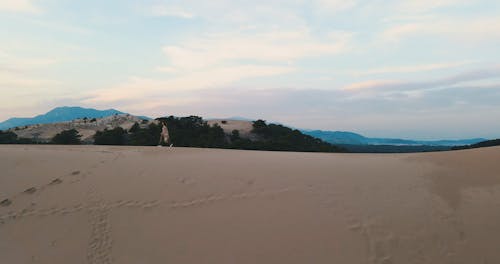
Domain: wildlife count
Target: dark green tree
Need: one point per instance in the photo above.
(278, 137)
(8, 137)
(193, 131)
(67, 137)
(114, 136)
(148, 136)
(487, 143)
(235, 135)
(134, 128)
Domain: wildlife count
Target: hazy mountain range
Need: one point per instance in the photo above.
(62, 114)
(350, 138)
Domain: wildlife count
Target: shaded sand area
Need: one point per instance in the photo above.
(92, 204)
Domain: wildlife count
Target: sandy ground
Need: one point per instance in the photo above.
(91, 204)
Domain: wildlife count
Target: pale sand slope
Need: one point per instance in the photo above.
(181, 205)
(244, 127)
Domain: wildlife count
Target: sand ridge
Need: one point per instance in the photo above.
(97, 204)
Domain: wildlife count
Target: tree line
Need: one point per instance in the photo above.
(8, 137)
(483, 144)
(193, 131)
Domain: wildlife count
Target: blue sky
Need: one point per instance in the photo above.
(413, 69)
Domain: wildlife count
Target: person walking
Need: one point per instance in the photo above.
(165, 136)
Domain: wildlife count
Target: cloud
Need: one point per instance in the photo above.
(277, 14)
(335, 5)
(16, 81)
(18, 69)
(410, 68)
(465, 77)
(8, 63)
(275, 46)
(62, 27)
(171, 11)
(420, 6)
(397, 32)
(140, 89)
(19, 6)
(372, 84)
(166, 69)
(22, 72)
(458, 28)
(257, 14)
(214, 61)
(24, 81)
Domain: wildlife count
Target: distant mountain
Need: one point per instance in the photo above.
(350, 138)
(59, 114)
(339, 137)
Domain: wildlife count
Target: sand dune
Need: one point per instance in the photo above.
(86, 128)
(93, 204)
(244, 127)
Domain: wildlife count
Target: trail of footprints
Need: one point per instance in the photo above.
(75, 176)
(380, 240)
(36, 190)
(100, 242)
(96, 206)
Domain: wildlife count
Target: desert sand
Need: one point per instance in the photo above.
(93, 204)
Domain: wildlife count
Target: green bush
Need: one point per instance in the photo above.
(134, 128)
(148, 136)
(278, 137)
(67, 137)
(193, 131)
(8, 137)
(114, 136)
(235, 135)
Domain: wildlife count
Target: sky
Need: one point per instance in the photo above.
(422, 69)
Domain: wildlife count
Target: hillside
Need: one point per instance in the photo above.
(56, 115)
(228, 125)
(191, 131)
(86, 127)
(352, 141)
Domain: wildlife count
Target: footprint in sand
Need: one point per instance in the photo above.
(150, 204)
(55, 181)
(355, 226)
(6, 202)
(75, 173)
(30, 190)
